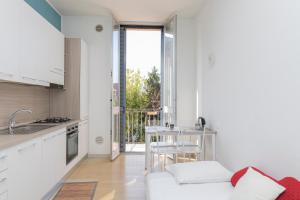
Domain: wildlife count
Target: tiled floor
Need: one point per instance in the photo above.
(122, 179)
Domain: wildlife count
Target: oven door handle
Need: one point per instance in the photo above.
(73, 135)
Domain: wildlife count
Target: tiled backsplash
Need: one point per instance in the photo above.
(15, 96)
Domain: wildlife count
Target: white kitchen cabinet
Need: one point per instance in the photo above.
(60, 144)
(3, 161)
(83, 139)
(42, 49)
(56, 52)
(84, 93)
(10, 22)
(25, 171)
(32, 50)
(3, 184)
(53, 159)
(4, 196)
(4, 175)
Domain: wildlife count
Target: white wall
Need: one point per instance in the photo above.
(251, 95)
(100, 50)
(186, 72)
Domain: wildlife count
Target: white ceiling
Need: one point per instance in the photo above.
(153, 11)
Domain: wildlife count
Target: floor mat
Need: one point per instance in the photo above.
(77, 191)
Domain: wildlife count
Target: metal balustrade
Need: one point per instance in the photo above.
(136, 120)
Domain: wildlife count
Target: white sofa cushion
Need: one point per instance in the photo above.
(199, 172)
(162, 186)
(255, 186)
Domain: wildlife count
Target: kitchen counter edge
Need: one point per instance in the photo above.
(10, 141)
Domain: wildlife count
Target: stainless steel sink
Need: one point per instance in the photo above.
(27, 129)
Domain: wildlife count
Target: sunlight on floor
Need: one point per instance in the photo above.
(122, 179)
(135, 148)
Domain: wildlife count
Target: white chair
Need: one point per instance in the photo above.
(191, 143)
(165, 144)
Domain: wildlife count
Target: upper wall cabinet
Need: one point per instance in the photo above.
(33, 46)
(9, 20)
(56, 49)
(33, 55)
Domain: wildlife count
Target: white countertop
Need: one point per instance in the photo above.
(7, 141)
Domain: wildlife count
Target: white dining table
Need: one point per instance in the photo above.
(152, 131)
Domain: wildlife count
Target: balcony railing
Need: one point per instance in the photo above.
(136, 120)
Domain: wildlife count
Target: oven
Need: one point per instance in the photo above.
(72, 142)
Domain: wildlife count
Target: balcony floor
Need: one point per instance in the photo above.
(135, 148)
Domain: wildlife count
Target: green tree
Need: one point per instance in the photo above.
(141, 93)
(152, 88)
(136, 97)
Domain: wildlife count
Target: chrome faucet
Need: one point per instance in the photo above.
(12, 120)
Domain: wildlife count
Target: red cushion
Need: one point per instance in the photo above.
(236, 176)
(292, 191)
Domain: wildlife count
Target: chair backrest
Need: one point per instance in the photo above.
(194, 138)
(164, 134)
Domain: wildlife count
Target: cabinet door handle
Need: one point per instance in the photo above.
(3, 157)
(58, 73)
(28, 78)
(54, 136)
(59, 134)
(2, 180)
(42, 81)
(62, 133)
(49, 138)
(27, 147)
(58, 69)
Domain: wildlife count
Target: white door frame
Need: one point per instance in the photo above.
(115, 94)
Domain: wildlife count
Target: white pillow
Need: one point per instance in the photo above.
(255, 186)
(199, 172)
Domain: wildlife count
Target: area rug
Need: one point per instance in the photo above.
(76, 191)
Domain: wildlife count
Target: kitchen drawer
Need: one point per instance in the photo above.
(3, 182)
(3, 196)
(3, 162)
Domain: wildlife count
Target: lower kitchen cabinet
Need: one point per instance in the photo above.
(83, 139)
(4, 175)
(3, 161)
(32, 169)
(53, 159)
(4, 185)
(24, 179)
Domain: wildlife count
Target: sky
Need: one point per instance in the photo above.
(143, 50)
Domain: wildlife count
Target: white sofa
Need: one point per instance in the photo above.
(163, 186)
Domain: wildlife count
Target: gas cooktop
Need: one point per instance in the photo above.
(53, 120)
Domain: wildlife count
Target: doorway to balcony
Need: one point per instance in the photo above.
(141, 61)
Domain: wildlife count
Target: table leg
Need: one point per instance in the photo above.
(147, 153)
(214, 146)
